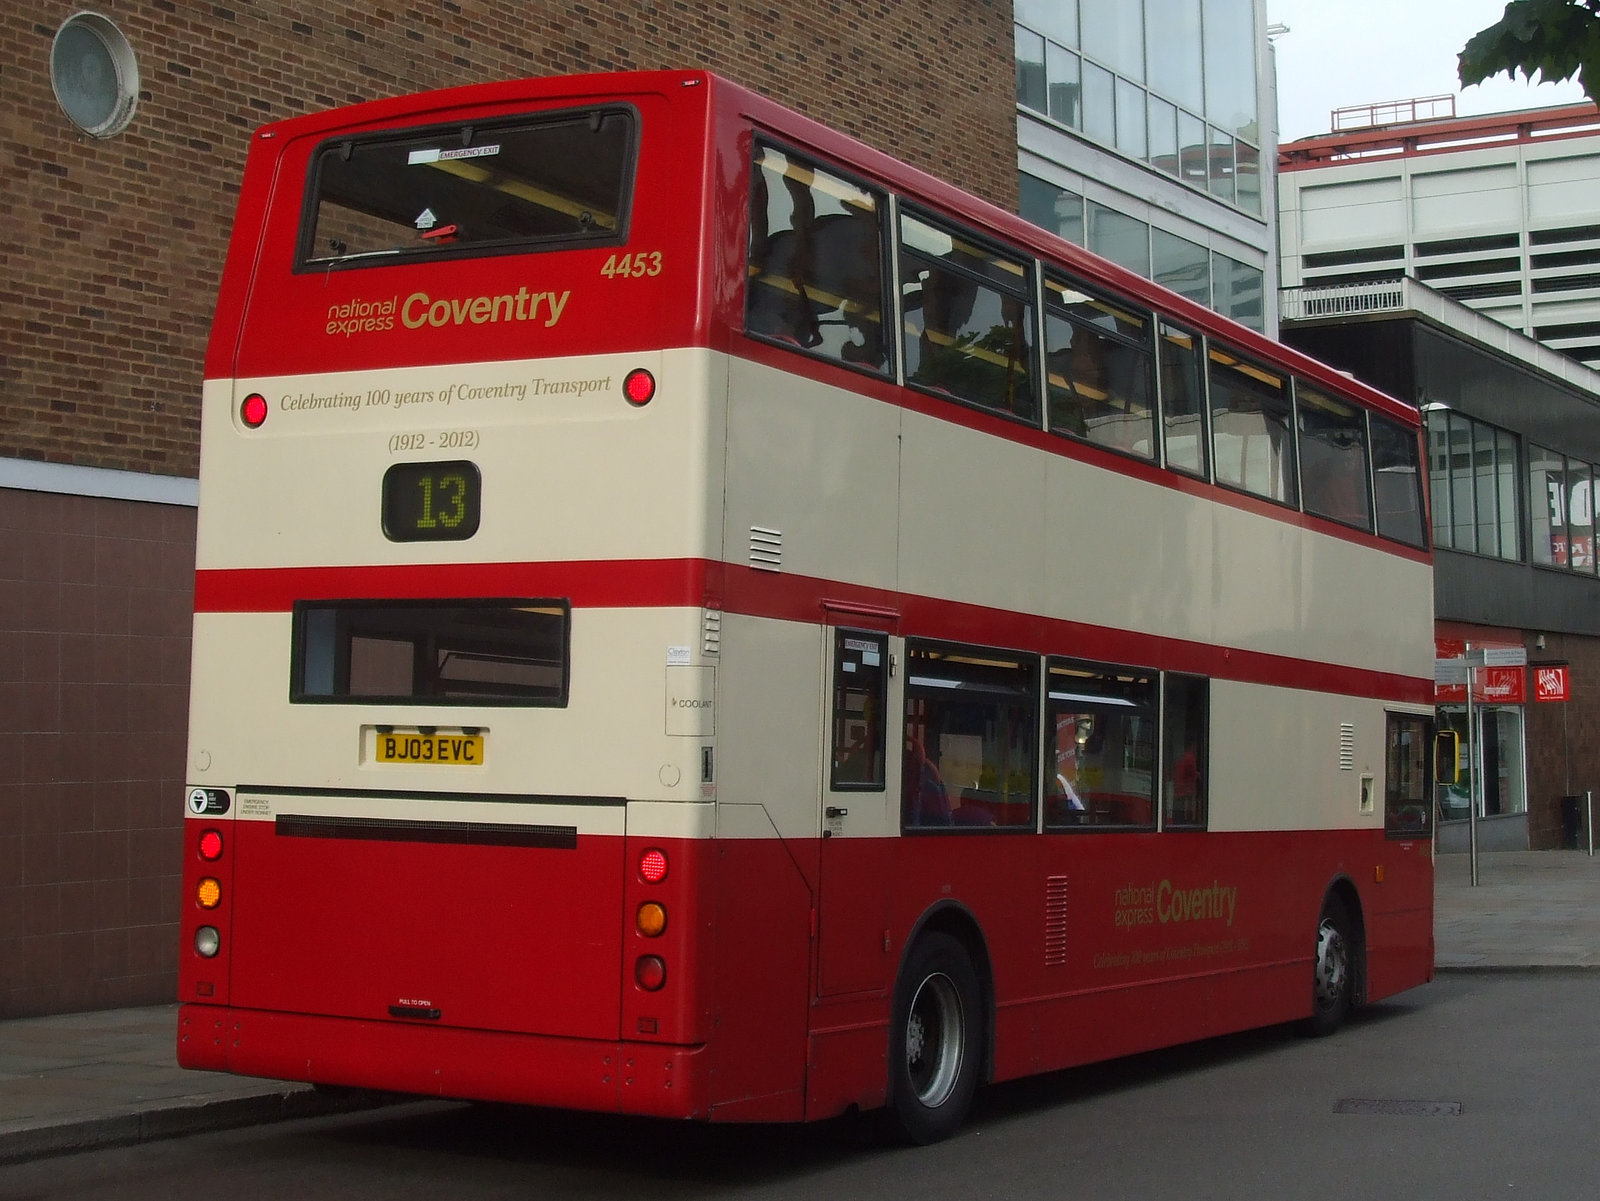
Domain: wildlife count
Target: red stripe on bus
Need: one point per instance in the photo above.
(600, 584)
(793, 598)
(683, 583)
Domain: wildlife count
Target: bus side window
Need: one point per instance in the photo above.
(1333, 457)
(1185, 737)
(815, 275)
(1099, 375)
(860, 693)
(1397, 480)
(1408, 782)
(1101, 732)
(968, 321)
(1251, 433)
(1183, 400)
(972, 719)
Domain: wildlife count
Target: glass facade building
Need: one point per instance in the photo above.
(1477, 487)
(1142, 127)
(1513, 466)
(1459, 256)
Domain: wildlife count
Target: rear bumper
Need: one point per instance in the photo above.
(432, 1061)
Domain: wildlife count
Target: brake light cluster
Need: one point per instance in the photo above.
(208, 892)
(650, 920)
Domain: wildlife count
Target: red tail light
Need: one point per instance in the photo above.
(211, 845)
(650, 972)
(653, 866)
(639, 386)
(254, 410)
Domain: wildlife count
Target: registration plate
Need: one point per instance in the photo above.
(459, 750)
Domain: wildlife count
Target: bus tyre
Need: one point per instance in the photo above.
(935, 1041)
(1333, 975)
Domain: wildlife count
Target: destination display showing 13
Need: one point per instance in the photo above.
(431, 502)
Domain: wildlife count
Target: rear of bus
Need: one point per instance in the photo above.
(449, 701)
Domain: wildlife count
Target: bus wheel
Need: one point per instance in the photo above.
(1333, 971)
(934, 1044)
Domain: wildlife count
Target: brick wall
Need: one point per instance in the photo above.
(96, 598)
(110, 250)
(109, 260)
(1563, 739)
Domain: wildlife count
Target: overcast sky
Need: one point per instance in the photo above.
(1343, 52)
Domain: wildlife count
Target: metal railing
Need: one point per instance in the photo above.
(1343, 300)
(1392, 112)
(1332, 302)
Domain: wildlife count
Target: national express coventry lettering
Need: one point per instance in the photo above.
(419, 309)
(1166, 903)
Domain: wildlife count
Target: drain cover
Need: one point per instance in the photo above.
(1404, 1109)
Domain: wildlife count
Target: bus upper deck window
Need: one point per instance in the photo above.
(967, 319)
(556, 180)
(1099, 369)
(816, 262)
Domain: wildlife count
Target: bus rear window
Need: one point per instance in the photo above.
(558, 180)
(508, 652)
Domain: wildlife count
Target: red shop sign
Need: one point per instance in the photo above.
(1550, 684)
(1490, 685)
(1500, 686)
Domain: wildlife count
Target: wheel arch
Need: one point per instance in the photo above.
(1343, 889)
(954, 919)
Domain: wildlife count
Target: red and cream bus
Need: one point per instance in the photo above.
(697, 618)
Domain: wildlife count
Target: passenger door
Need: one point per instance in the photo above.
(860, 810)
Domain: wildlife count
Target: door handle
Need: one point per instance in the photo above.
(835, 811)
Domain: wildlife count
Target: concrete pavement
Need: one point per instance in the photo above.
(85, 1080)
(79, 1081)
(1530, 911)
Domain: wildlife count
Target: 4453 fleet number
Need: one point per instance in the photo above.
(632, 266)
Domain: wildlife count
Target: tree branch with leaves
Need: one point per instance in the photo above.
(1546, 41)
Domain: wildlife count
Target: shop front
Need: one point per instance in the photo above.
(1493, 739)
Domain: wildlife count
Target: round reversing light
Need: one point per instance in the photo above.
(650, 972)
(207, 942)
(254, 410)
(639, 386)
(653, 866)
(211, 845)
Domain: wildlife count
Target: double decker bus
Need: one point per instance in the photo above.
(697, 618)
